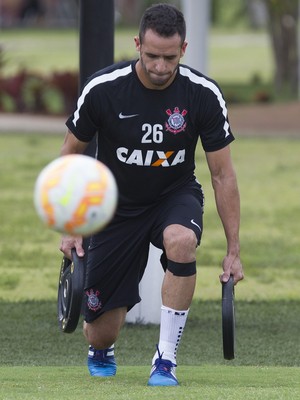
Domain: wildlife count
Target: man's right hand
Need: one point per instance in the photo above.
(70, 242)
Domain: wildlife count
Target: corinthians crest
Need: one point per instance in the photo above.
(93, 300)
(176, 122)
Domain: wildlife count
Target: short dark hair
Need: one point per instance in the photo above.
(164, 19)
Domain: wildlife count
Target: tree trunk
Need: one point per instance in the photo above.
(283, 17)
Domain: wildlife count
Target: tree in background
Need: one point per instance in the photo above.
(281, 18)
(282, 23)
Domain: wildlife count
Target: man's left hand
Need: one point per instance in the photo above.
(232, 266)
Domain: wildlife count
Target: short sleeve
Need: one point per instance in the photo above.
(85, 121)
(215, 131)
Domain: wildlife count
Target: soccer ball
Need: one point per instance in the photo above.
(75, 194)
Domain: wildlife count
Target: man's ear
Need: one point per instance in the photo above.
(183, 48)
(137, 43)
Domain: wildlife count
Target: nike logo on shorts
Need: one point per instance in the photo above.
(122, 116)
(194, 223)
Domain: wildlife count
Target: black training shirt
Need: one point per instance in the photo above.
(148, 137)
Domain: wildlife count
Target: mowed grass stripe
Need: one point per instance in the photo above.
(270, 234)
(205, 382)
(267, 334)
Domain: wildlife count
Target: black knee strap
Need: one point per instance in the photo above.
(182, 269)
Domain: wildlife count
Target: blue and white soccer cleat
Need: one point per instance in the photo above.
(163, 373)
(102, 362)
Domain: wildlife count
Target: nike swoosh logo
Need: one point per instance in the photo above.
(122, 116)
(194, 223)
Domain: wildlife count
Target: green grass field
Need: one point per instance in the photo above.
(270, 233)
(39, 362)
(210, 383)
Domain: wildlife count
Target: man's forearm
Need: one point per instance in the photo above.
(228, 206)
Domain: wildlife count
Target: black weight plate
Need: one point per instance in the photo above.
(70, 292)
(228, 319)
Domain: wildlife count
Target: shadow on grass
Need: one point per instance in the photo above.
(267, 333)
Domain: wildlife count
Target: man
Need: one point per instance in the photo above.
(148, 115)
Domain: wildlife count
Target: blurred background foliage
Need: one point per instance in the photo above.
(24, 88)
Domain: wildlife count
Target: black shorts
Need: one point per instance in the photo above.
(118, 255)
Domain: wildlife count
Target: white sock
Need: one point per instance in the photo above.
(172, 323)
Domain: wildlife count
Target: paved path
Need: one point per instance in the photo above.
(266, 119)
(255, 120)
(32, 123)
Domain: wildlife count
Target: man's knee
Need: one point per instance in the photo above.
(98, 339)
(180, 243)
(104, 331)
